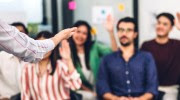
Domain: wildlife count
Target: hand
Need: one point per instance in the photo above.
(136, 98)
(64, 50)
(177, 21)
(109, 24)
(5, 99)
(66, 33)
(123, 98)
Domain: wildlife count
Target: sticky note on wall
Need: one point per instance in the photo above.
(121, 7)
(93, 31)
(72, 5)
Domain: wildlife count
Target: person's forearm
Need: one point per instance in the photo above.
(113, 41)
(21, 45)
(109, 96)
(147, 96)
(56, 39)
(83, 87)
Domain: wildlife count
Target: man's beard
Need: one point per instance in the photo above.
(124, 44)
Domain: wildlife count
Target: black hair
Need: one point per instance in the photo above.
(55, 53)
(167, 15)
(87, 45)
(21, 24)
(128, 19)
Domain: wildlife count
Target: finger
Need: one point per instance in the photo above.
(73, 29)
(63, 43)
(178, 16)
(67, 47)
(71, 34)
(108, 17)
(61, 51)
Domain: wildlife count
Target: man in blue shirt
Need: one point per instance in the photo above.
(127, 74)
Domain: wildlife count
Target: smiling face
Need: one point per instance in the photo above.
(126, 33)
(163, 27)
(81, 35)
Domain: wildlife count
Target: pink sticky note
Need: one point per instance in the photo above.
(72, 5)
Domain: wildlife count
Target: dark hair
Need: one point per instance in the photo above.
(87, 45)
(55, 53)
(128, 19)
(167, 15)
(21, 24)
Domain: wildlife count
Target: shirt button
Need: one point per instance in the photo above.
(127, 72)
(128, 82)
(129, 90)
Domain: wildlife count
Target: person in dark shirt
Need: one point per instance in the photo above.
(128, 74)
(166, 52)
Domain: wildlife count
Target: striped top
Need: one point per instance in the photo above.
(48, 87)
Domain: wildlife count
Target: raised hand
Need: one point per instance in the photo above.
(64, 50)
(177, 21)
(66, 33)
(109, 24)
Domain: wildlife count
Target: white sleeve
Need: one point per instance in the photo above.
(22, 46)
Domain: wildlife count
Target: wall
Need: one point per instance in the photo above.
(84, 12)
(148, 9)
(21, 10)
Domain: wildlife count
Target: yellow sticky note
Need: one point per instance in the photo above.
(93, 31)
(121, 7)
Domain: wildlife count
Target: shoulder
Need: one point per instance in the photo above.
(98, 44)
(149, 42)
(145, 54)
(175, 41)
(147, 45)
(111, 56)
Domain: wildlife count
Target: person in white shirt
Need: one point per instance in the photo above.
(10, 71)
(26, 48)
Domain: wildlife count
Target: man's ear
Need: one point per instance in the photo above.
(135, 34)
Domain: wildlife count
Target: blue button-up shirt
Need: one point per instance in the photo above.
(132, 78)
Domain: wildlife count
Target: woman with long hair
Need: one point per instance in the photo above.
(51, 78)
(86, 55)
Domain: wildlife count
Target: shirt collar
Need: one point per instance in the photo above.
(49, 68)
(120, 52)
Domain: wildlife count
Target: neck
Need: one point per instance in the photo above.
(44, 62)
(128, 51)
(162, 40)
(80, 49)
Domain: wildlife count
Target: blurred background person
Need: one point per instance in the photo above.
(166, 53)
(21, 27)
(10, 70)
(51, 78)
(86, 55)
(128, 74)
